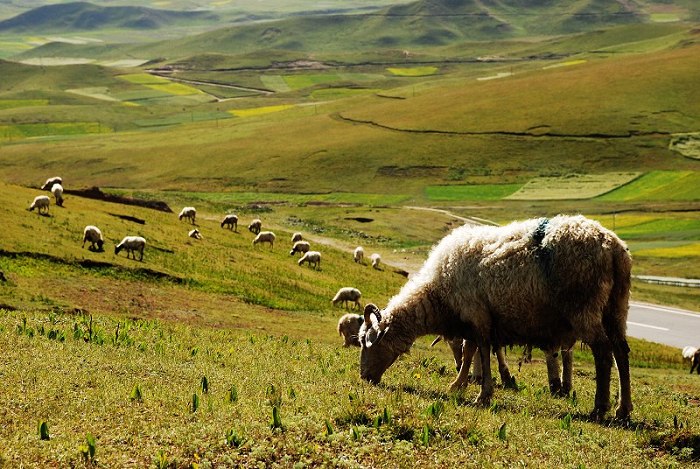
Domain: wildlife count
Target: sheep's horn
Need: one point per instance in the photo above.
(436, 340)
(369, 310)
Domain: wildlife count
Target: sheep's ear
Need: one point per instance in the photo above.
(369, 310)
(436, 340)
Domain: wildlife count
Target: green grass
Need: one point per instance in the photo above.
(15, 103)
(20, 131)
(471, 192)
(340, 93)
(659, 185)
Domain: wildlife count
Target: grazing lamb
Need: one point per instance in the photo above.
(94, 235)
(545, 282)
(311, 257)
(41, 203)
(132, 244)
(348, 294)
(265, 237)
(255, 226)
(230, 221)
(693, 355)
(296, 237)
(195, 234)
(50, 182)
(188, 212)
(376, 260)
(57, 191)
(348, 327)
(301, 247)
(359, 255)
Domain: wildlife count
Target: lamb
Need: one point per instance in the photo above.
(296, 237)
(188, 212)
(376, 259)
(311, 257)
(359, 255)
(301, 247)
(57, 191)
(545, 282)
(265, 237)
(94, 235)
(41, 203)
(348, 327)
(692, 354)
(347, 294)
(50, 182)
(231, 221)
(195, 234)
(132, 244)
(255, 226)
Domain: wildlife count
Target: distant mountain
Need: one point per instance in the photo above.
(84, 16)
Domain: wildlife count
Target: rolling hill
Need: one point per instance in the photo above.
(84, 16)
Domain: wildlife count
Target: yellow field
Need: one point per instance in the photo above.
(572, 186)
(687, 250)
(257, 111)
(412, 71)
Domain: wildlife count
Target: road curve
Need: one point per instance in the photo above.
(663, 325)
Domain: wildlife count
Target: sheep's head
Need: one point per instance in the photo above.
(100, 244)
(375, 355)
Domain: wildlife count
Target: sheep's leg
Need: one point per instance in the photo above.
(553, 371)
(462, 380)
(506, 378)
(602, 354)
(621, 352)
(477, 373)
(484, 397)
(567, 379)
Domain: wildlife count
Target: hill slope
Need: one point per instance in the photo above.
(82, 16)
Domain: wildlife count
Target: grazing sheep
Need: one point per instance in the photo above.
(301, 247)
(195, 234)
(348, 327)
(188, 212)
(41, 203)
(231, 221)
(94, 235)
(693, 355)
(541, 282)
(50, 182)
(359, 255)
(132, 244)
(346, 294)
(296, 237)
(57, 191)
(265, 237)
(311, 257)
(255, 226)
(376, 260)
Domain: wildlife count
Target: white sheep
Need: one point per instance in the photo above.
(297, 237)
(546, 282)
(195, 234)
(359, 255)
(132, 244)
(188, 212)
(57, 191)
(693, 355)
(255, 226)
(348, 327)
(41, 203)
(94, 235)
(231, 221)
(300, 247)
(348, 294)
(50, 182)
(311, 257)
(376, 260)
(265, 237)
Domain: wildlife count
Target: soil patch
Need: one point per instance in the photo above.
(95, 193)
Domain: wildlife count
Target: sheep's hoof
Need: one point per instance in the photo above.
(555, 387)
(510, 383)
(456, 386)
(623, 413)
(598, 414)
(482, 400)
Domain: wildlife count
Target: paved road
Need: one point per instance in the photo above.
(664, 325)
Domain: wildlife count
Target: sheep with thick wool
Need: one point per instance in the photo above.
(358, 255)
(265, 237)
(376, 259)
(348, 328)
(132, 245)
(311, 257)
(189, 213)
(348, 295)
(41, 204)
(297, 237)
(230, 221)
(542, 282)
(94, 236)
(57, 191)
(255, 226)
(300, 247)
(50, 182)
(693, 355)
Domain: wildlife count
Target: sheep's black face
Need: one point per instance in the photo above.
(100, 245)
(375, 354)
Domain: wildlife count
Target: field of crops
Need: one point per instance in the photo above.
(574, 186)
